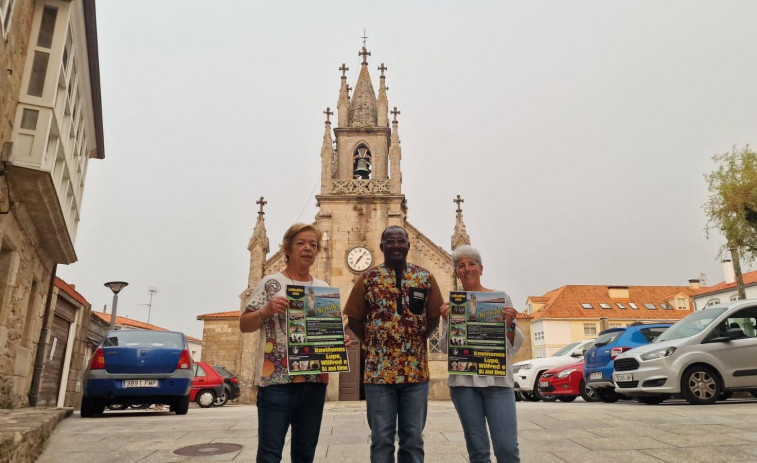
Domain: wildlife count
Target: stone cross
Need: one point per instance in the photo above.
(344, 70)
(365, 54)
(262, 203)
(394, 112)
(382, 68)
(458, 200)
(364, 37)
(328, 114)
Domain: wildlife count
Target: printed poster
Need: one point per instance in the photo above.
(477, 342)
(315, 341)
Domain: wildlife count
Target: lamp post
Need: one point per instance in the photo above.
(116, 287)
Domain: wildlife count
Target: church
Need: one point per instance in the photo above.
(360, 195)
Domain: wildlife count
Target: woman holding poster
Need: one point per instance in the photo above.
(482, 400)
(285, 400)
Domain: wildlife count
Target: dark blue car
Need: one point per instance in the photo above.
(139, 367)
(599, 360)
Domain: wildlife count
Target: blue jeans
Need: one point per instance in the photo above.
(390, 405)
(496, 405)
(297, 404)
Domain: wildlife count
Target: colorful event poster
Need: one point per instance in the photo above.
(315, 343)
(477, 334)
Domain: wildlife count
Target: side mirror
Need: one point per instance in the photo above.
(730, 335)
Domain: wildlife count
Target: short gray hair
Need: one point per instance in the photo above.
(465, 251)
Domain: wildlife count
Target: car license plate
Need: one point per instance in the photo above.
(624, 377)
(543, 384)
(596, 375)
(140, 383)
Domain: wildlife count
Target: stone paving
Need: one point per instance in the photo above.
(577, 432)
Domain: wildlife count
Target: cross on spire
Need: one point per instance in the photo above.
(328, 114)
(458, 200)
(262, 203)
(349, 89)
(364, 37)
(382, 68)
(365, 54)
(344, 70)
(395, 112)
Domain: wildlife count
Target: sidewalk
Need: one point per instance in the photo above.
(24, 432)
(577, 432)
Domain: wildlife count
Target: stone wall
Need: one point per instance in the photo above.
(12, 58)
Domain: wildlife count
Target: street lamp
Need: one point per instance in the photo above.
(116, 287)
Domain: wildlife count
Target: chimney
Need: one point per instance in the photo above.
(694, 284)
(603, 323)
(728, 272)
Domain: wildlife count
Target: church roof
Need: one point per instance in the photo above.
(594, 301)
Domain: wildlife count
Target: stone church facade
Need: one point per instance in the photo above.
(361, 195)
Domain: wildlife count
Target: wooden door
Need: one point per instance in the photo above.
(55, 352)
(350, 384)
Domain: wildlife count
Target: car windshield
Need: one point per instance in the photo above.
(692, 324)
(140, 338)
(608, 338)
(565, 349)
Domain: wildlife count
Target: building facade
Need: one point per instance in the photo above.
(50, 126)
(579, 312)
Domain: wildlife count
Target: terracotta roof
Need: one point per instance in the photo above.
(539, 298)
(750, 278)
(220, 315)
(69, 289)
(565, 302)
(123, 321)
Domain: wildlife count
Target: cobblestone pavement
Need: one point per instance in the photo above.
(673, 432)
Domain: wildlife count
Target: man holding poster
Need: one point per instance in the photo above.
(481, 400)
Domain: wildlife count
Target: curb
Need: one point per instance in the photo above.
(23, 432)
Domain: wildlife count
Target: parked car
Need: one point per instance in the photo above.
(567, 383)
(231, 386)
(526, 374)
(611, 343)
(206, 386)
(136, 367)
(705, 357)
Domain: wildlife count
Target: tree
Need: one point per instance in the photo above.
(732, 205)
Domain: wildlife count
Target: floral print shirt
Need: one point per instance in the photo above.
(272, 362)
(395, 340)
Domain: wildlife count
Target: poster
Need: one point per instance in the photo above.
(477, 334)
(315, 341)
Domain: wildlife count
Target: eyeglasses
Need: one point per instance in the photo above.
(394, 242)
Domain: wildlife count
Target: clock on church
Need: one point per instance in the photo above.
(359, 258)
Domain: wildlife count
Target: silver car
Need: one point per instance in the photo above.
(703, 357)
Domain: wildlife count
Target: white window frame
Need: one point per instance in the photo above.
(6, 14)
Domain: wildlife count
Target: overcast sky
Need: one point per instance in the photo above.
(577, 132)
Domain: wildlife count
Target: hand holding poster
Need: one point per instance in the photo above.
(477, 334)
(315, 341)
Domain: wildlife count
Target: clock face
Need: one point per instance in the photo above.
(359, 258)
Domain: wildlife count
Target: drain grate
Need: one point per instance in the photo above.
(217, 448)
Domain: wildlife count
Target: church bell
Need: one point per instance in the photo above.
(362, 168)
(362, 163)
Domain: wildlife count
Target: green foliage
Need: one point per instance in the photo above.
(732, 205)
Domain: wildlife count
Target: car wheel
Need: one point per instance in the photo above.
(221, 399)
(700, 385)
(566, 398)
(651, 399)
(518, 396)
(180, 405)
(529, 397)
(726, 395)
(140, 406)
(546, 397)
(607, 395)
(91, 407)
(205, 398)
(587, 393)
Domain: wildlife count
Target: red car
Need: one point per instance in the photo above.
(207, 385)
(567, 383)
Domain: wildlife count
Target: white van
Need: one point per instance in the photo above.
(704, 357)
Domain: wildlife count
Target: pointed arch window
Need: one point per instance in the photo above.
(361, 163)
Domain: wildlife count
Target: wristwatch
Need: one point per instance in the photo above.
(510, 328)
